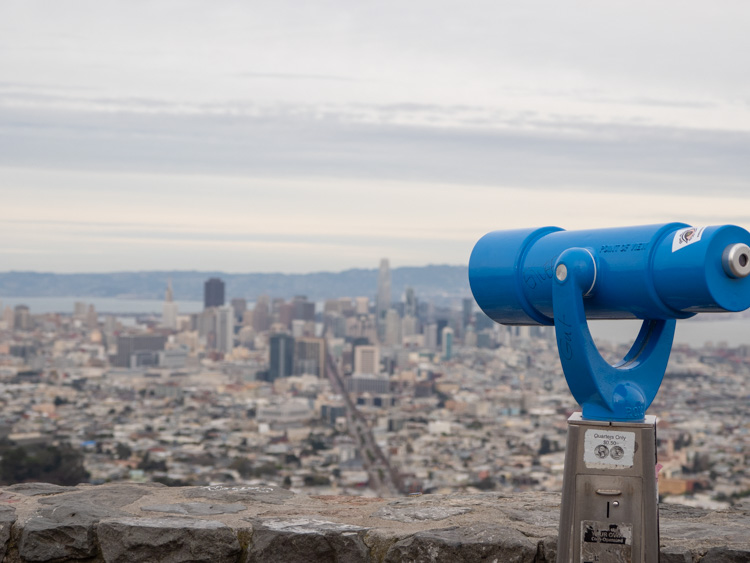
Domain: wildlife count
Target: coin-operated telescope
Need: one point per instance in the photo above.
(657, 273)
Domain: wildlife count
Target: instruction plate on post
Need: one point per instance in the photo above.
(605, 449)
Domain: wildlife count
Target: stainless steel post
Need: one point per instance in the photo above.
(609, 511)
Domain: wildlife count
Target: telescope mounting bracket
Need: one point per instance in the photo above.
(621, 392)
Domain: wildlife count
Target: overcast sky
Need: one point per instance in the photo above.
(307, 136)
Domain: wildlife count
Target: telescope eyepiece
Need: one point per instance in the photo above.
(736, 260)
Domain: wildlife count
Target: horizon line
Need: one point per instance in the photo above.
(209, 272)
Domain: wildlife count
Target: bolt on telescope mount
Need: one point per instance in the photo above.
(656, 273)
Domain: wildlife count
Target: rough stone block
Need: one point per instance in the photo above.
(303, 540)
(43, 539)
(726, 555)
(7, 518)
(167, 540)
(64, 528)
(675, 555)
(476, 542)
(547, 550)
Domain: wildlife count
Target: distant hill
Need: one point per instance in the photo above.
(438, 283)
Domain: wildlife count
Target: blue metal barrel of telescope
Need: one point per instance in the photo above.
(669, 271)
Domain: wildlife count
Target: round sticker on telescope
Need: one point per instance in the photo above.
(606, 449)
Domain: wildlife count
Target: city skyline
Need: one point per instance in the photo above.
(308, 397)
(293, 139)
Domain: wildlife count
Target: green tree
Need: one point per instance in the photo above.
(316, 480)
(148, 464)
(123, 451)
(60, 465)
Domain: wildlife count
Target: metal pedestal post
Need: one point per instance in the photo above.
(609, 511)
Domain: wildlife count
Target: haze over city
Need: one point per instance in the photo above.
(295, 138)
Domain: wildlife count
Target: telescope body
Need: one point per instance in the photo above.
(658, 273)
(669, 271)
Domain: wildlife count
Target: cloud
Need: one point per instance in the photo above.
(426, 143)
(369, 128)
(101, 221)
(292, 76)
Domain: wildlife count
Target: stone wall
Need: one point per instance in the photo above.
(126, 522)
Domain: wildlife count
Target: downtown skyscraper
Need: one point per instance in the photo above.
(213, 293)
(383, 301)
(169, 309)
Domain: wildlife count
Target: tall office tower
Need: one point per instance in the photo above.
(8, 317)
(110, 328)
(302, 309)
(169, 309)
(524, 333)
(205, 323)
(392, 334)
(409, 326)
(362, 326)
(310, 356)
(285, 315)
(467, 312)
(470, 337)
(335, 325)
(482, 321)
(429, 312)
(225, 329)
(430, 336)
(447, 343)
(169, 294)
(281, 357)
(21, 318)
(441, 324)
(362, 305)
(383, 302)
(239, 306)
(331, 307)
(298, 328)
(213, 293)
(92, 319)
(275, 306)
(410, 303)
(79, 310)
(346, 306)
(262, 314)
(367, 359)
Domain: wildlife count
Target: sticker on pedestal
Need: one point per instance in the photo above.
(605, 449)
(604, 542)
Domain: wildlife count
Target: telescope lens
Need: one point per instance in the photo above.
(736, 260)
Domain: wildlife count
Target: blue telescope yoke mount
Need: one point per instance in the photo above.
(620, 392)
(656, 273)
